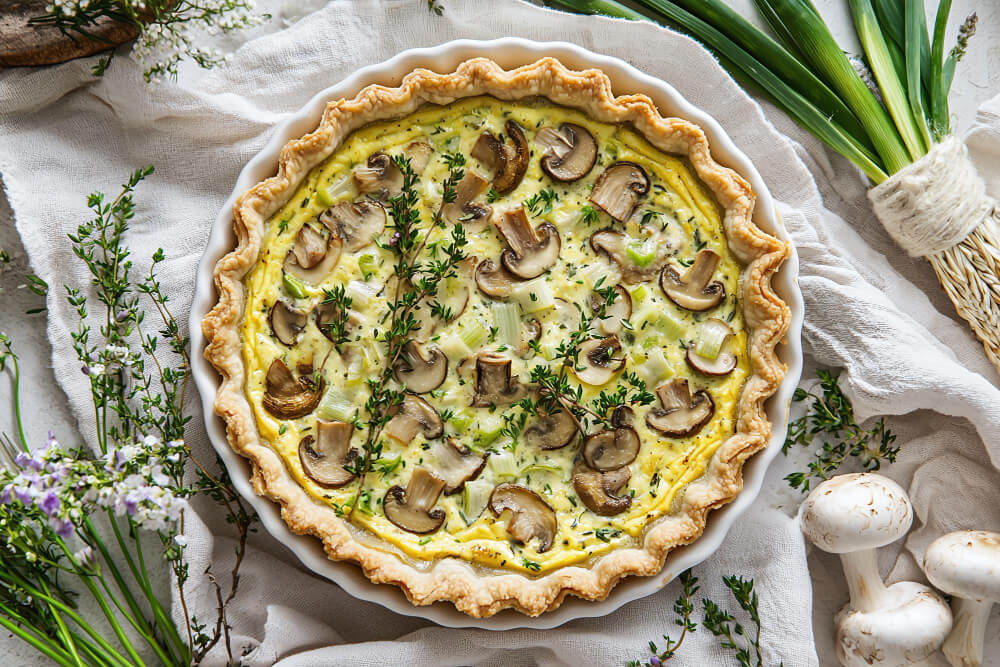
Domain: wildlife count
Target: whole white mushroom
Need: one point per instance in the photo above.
(966, 564)
(902, 624)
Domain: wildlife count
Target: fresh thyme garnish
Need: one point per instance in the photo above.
(541, 202)
(492, 196)
(589, 215)
(733, 634)
(336, 328)
(417, 280)
(831, 414)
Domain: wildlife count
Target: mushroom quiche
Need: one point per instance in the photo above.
(498, 336)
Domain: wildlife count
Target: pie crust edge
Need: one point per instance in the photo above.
(475, 593)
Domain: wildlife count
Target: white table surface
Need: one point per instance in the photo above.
(977, 79)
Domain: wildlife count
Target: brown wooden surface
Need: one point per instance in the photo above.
(24, 44)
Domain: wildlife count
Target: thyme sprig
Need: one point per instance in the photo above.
(336, 328)
(417, 280)
(830, 415)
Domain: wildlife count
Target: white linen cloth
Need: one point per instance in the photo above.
(870, 309)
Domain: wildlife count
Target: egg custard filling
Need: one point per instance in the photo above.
(498, 336)
(501, 332)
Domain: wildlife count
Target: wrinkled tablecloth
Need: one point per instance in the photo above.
(870, 310)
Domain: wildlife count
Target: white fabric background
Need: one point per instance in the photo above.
(870, 310)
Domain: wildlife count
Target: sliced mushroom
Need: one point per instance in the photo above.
(287, 323)
(509, 161)
(550, 430)
(494, 279)
(531, 331)
(530, 516)
(531, 251)
(422, 367)
(683, 413)
(457, 464)
(463, 210)
(611, 448)
(455, 297)
(327, 314)
(288, 398)
(413, 509)
(494, 385)
(412, 415)
(324, 456)
(597, 362)
(379, 177)
(356, 224)
(615, 245)
(619, 188)
(570, 151)
(693, 290)
(598, 489)
(420, 153)
(620, 310)
(722, 364)
(312, 258)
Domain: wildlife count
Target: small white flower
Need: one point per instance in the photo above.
(180, 540)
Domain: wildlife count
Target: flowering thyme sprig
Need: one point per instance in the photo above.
(169, 31)
(51, 499)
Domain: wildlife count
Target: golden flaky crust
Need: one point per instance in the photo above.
(474, 590)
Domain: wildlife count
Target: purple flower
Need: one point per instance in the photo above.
(655, 661)
(394, 239)
(62, 527)
(6, 495)
(130, 504)
(85, 369)
(50, 503)
(24, 495)
(22, 459)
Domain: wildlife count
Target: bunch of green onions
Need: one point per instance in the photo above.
(880, 125)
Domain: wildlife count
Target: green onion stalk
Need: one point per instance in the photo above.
(885, 110)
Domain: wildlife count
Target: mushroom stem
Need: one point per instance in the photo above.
(964, 646)
(868, 591)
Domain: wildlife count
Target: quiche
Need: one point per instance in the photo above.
(498, 336)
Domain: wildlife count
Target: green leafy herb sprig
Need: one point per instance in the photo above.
(731, 633)
(336, 328)
(830, 416)
(417, 280)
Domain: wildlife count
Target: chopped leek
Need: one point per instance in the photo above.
(295, 287)
(641, 252)
(709, 340)
(335, 407)
(460, 420)
(475, 495)
(507, 318)
(638, 294)
(367, 264)
(488, 429)
(655, 368)
(360, 293)
(533, 295)
(538, 467)
(455, 348)
(503, 464)
(473, 334)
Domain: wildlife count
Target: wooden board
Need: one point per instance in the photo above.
(24, 44)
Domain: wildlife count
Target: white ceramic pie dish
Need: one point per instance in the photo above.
(510, 52)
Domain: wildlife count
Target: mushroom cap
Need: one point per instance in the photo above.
(413, 509)
(618, 189)
(531, 517)
(722, 364)
(494, 280)
(597, 363)
(598, 489)
(695, 289)
(569, 152)
(907, 631)
(510, 161)
(419, 153)
(494, 384)
(303, 260)
(550, 430)
(288, 398)
(463, 210)
(966, 563)
(324, 455)
(611, 449)
(456, 464)
(855, 511)
(356, 224)
(531, 251)
(614, 244)
(620, 310)
(379, 177)
(682, 413)
(422, 367)
(327, 314)
(412, 415)
(287, 323)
